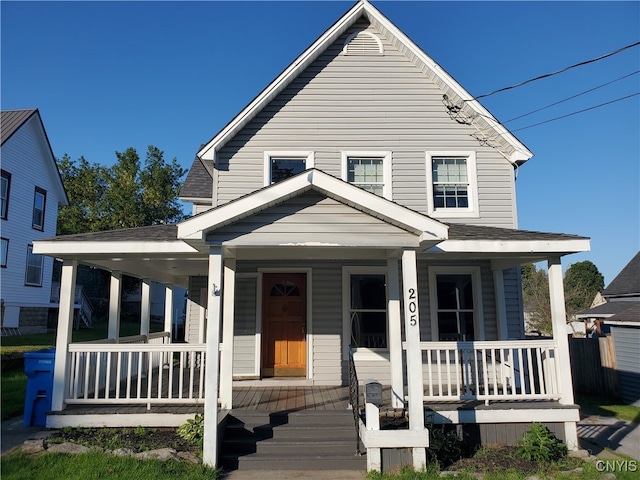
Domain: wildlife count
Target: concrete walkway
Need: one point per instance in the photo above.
(598, 433)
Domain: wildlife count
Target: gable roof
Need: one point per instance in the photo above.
(425, 228)
(627, 282)
(507, 143)
(12, 120)
(198, 184)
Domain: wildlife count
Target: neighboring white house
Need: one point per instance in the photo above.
(364, 202)
(32, 191)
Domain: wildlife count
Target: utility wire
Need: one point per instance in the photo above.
(575, 113)
(559, 71)
(570, 98)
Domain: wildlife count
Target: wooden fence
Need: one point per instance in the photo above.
(593, 366)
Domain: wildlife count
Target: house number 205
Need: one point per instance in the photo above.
(413, 306)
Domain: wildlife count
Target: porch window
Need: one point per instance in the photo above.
(33, 273)
(370, 171)
(6, 186)
(281, 165)
(451, 184)
(368, 311)
(455, 304)
(39, 202)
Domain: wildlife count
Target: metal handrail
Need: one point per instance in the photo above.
(354, 398)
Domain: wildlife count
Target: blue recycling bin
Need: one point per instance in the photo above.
(38, 366)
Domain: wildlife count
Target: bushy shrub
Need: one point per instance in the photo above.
(193, 430)
(541, 445)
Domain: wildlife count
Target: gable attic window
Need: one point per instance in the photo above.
(281, 165)
(362, 43)
(451, 184)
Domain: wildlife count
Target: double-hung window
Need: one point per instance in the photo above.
(39, 204)
(366, 294)
(280, 165)
(451, 184)
(6, 187)
(368, 170)
(456, 307)
(4, 252)
(35, 265)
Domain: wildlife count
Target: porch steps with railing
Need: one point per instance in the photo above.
(300, 440)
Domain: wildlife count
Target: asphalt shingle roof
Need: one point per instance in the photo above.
(631, 314)
(199, 183)
(609, 308)
(154, 233)
(627, 282)
(477, 232)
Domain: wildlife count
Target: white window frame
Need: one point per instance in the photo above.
(361, 352)
(478, 318)
(307, 156)
(472, 210)
(386, 167)
(30, 254)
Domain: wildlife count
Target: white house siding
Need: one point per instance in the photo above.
(311, 216)
(26, 157)
(371, 102)
(194, 306)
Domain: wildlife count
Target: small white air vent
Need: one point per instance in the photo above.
(362, 43)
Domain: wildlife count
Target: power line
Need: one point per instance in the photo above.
(615, 52)
(570, 98)
(579, 111)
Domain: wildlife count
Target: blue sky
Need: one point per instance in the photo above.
(111, 75)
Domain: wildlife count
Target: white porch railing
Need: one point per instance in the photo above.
(136, 370)
(500, 370)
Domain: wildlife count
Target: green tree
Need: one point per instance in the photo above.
(582, 281)
(122, 196)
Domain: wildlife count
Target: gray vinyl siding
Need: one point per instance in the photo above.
(370, 102)
(311, 216)
(626, 341)
(513, 300)
(244, 328)
(194, 303)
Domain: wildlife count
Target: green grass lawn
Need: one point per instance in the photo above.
(607, 408)
(55, 466)
(14, 388)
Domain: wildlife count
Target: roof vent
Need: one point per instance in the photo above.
(362, 43)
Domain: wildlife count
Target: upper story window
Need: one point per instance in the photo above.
(4, 252)
(39, 204)
(452, 184)
(281, 165)
(368, 170)
(33, 272)
(6, 187)
(455, 303)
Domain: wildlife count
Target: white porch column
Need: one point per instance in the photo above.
(214, 293)
(168, 310)
(414, 354)
(145, 306)
(63, 337)
(559, 323)
(395, 334)
(115, 292)
(228, 311)
(501, 304)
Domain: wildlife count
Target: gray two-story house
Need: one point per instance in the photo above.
(362, 209)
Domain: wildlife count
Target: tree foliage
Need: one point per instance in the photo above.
(582, 281)
(122, 196)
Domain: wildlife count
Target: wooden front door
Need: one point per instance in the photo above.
(284, 325)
